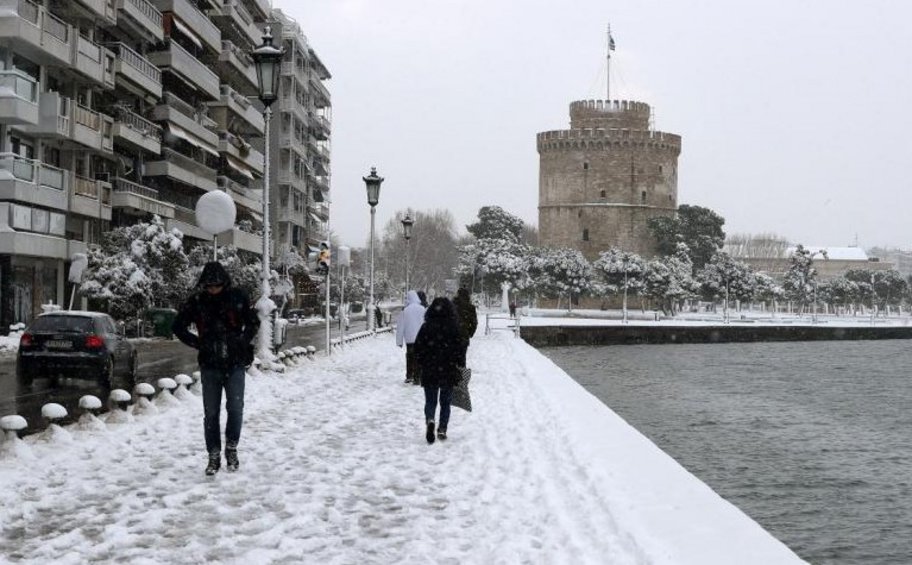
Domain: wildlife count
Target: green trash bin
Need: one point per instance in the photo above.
(161, 320)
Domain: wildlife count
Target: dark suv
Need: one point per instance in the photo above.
(75, 344)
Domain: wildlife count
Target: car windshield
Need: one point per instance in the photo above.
(78, 324)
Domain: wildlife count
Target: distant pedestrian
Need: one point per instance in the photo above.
(378, 316)
(468, 320)
(423, 297)
(438, 348)
(225, 326)
(513, 309)
(410, 320)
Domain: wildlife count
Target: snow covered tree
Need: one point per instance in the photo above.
(619, 273)
(490, 262)
(243, 267)
(798, 282)
(496, 223)
(567, 272)
(726, 278)
(153, 262)
(766, 289)
(669, 280)
(699, 228)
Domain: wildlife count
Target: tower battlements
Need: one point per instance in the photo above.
(601, 138)
(609, 114)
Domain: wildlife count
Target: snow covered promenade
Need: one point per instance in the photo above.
(335, 469)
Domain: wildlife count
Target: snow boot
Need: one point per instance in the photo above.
(215, 463)
(231, 457)
(441, 433)
(429, 436)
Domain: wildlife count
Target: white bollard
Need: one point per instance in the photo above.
(182, 392)
(53, 413)
(166, 398)
(12, 445)
(119, 400)
(89, 421)
(144, 393)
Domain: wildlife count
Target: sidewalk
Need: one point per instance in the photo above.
(335, 469)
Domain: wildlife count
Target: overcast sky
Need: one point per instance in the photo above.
(796, 117)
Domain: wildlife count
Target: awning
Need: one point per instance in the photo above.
(239, 166)
(184, 29)
(180, 132)
(317, 194)
(316, 217)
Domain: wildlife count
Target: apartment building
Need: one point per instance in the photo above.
(300, 133)
(114, 110)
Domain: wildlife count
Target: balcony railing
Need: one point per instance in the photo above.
(20, 84)
(33, 171)
(137, 61)
(56, 27)
(138, 123)
(186, 162)
(148, 10)
(85, 186)
(185, 215)
(87, 117)
(124, 185)
(28, 11)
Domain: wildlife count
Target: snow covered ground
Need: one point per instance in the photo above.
(335, 469)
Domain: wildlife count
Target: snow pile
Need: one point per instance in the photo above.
(335, 469)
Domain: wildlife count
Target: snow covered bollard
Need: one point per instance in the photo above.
(311, 352)
(197, 386)
(88, 421)
(144, 393)
(53, 413)
(12, 445)
(182, 392)
(166, 398)
(119, 401)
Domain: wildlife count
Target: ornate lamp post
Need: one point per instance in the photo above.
(268, 60)
(407, 223)
(372, 183)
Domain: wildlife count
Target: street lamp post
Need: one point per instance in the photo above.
(267, 58)
(372, 182)
(407, 223)
(625, 288)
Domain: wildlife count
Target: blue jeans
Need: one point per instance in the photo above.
(430, 403)
(214, 380)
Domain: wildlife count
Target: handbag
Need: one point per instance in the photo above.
(461, 397)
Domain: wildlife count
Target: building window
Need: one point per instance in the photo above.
(586, 234)
(643, 197)
(585, 166)
(579, 214)
(603, 194)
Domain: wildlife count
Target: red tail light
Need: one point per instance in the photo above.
(94, 342)
(25, 340)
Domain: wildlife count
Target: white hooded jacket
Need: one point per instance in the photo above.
(410, 319)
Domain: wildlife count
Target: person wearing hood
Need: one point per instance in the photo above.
(423, 298)
(410, 320)
(468, 320)
(437, 349)
(225, 327)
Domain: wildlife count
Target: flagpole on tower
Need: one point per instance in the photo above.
(608, 70)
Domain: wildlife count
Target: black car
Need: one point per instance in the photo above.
(85, 345)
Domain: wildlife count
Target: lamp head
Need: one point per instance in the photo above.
(407, 223)
(268, 59)
(373, 182)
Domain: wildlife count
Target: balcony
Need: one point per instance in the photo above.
(237, 24)
(177, 60)
(319, 92)
(244, 196)
(103, 11)
(33, 182)
(91, 198)
(242, 240)
(142, 18)
(264, 7)
(93, 61)
(187, 128)
(236, 65)
(197, 23)
(292, 68)
(30, 30)
(137, 132)
(231, 104)
(286, 176)
(247, 160)
(93, 129)
(182, 168)
(185, 221)
(18, 98)
(54, 117)
(288, 103)
(139, 74)
(319, 127)
(137, 199)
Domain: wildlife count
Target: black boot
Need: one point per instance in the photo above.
(429, 436)
(441, 433)
(231, 458)
(215, 463)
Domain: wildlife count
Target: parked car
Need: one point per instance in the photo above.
(296, 315)
(76, 344)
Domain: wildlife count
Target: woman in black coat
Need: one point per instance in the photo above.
(437, 350)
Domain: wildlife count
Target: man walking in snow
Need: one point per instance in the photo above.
(467, 316)
(410, 320)
(225, 326)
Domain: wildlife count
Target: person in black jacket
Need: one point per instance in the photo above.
(468, 321)
(437, 349)
(225, 326)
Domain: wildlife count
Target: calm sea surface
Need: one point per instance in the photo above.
(813, 440)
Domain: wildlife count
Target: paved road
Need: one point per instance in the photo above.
(157, 358)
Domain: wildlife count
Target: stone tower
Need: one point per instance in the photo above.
(600, 181)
